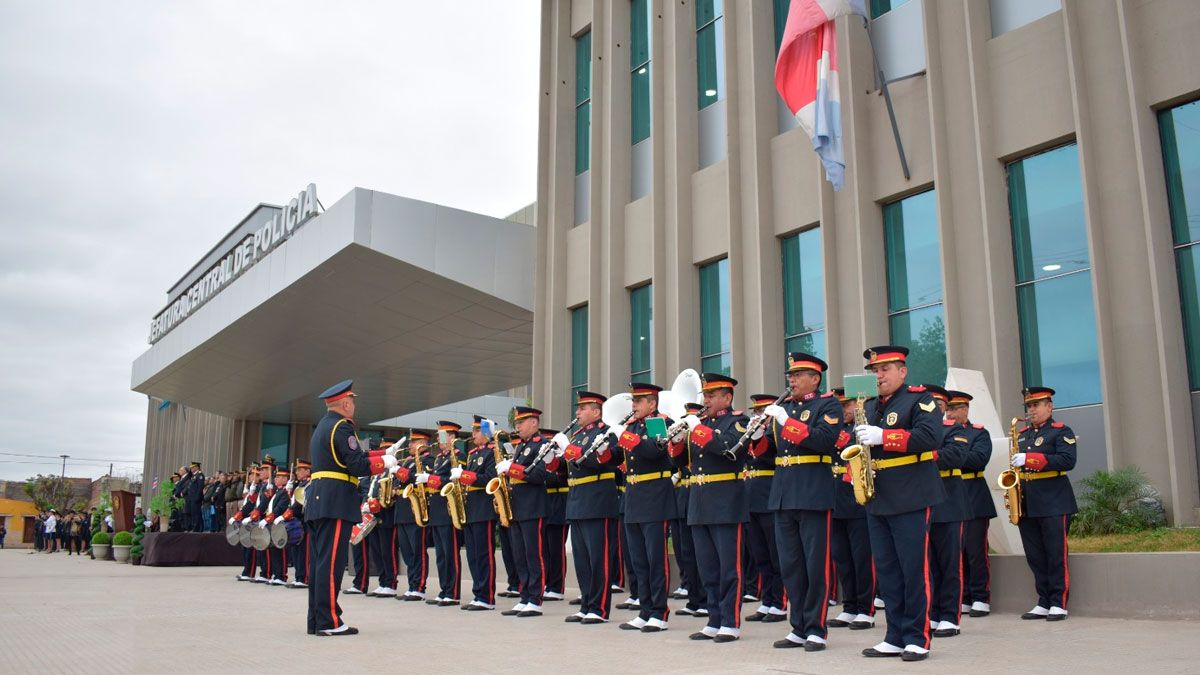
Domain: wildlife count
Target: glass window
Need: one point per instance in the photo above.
(641, 334)
(369, 435)
(579, 351)
(1054, 281)
(275, 439)
(583, 102)
(710, 52)
(914, 279)
(804, 293)
(781, 13)
(1180, 129)
(881, 7)
(639, 67)
(715, 333)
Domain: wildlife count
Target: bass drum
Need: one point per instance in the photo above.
(295, 531)
(260, 537)
(232, 535)
(279, 534)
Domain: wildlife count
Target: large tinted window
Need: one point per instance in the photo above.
(710, 52)
(804, 293)
(1180, 128)
(579, 351)
(275, 439)
(583, 102)
(715, 334)
(641, 330)
(914, 273)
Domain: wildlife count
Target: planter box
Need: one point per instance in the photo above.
(101, 551)
(121, 553)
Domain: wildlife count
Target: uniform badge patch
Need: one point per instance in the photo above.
(805, 415)
(353, 442)
(1038, 441)
(927, 407)
(1069, 440)
(961, 439)
(741, 428)
(831, 419)
(893, 417)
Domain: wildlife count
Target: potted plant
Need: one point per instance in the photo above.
(100, 543)
(163, 503)
(139, 531)
(121, 543)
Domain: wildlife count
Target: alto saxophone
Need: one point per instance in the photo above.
(858, 461)
(453, 493)
(1010, 479)
(499, 488)
(418, 500)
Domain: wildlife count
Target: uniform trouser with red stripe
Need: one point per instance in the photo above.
(264, 562)
(479, 541)
(1045, 541)
(445, 547)
(719, 557)
(527, 554)
(383, 545)
(413, 543)
(362, 564)
(761, 535)
(803, 540)
(279, 562)
(591, 547)
(298, 554)
(945, 557)
(850, 547)
(249, 560)
(900, 544)
(625, 562)
(554, 545)
(511, 576)
(685, 559)
(616, 552)
(976, 568)
(648, 553)
(328, 539)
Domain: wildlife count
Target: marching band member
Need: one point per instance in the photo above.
(528, 470)
(804, 429)
(946, 526)
(905, 429)
(480, 528)
(591, 506)
(445, 535)
(649, 506)
(1047, 453)
(691, 587)
(276, 507)
(850, 543)
(267, 471)
(414, 538)
(298, 552)
(333, 505)
(980, 507)
(717, 505)
(383, 541)
(246, 515)
(554, 532)
(760, 531)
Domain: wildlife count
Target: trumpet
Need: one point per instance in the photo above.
(498, 487)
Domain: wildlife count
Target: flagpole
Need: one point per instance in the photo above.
(887, 99)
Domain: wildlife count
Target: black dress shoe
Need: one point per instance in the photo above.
(591, 621)
(945, 632)
(773, 618)
(574, 618)
(350, 630)
(475, 608)
(871, 652)
(724, 637)
(914, 656)
(757, 616)
(787, 644)
(433, 601)
(576, 601)
(1032, 616)
(413, 598)
(510, 593)
(812, 646)
(1056, 617)
(976, 613)
(629, 626)
(837, 623)
(684, 611)
(699, 635)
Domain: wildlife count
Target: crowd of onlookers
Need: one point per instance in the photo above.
(70, 531)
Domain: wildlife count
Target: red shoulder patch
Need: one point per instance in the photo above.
(916, 388)
(1024, 430)
(1057, 425)
(977, 426)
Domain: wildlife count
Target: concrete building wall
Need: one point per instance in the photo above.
(1093, 73)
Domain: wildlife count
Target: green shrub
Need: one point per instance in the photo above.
(101, 538)
(136, 550)
(1118, 502)
(123, 539)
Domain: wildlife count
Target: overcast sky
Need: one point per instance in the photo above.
(133, 135)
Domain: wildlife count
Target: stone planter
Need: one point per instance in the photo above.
(121, 553)
(100, 551)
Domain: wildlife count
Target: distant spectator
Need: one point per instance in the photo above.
(86, 534)
(3, 534)
(51, 536)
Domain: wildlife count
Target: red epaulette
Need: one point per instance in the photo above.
(947, 423)
(916, 388)
(977, 426)
(1024, 430)
(1057, 425)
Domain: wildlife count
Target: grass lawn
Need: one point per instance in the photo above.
(1161, 539)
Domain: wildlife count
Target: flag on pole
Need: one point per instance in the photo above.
(806, 75)
(155, 488)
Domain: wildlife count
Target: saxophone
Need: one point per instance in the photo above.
(453, 493)
(418, 500)
(499, 488)
(858, 460)
(1010, 479)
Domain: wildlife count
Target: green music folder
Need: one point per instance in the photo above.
(861, 385)
(656, 427)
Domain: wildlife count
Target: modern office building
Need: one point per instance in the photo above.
(425, 306)
(1045, 233)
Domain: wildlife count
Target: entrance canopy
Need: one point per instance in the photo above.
(421, 304)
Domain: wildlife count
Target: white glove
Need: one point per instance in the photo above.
(1018, 460)
(692, 421)
(232, 520)
(262, 524)
(456, 473)
(389, 461)
(758, 433)
(245, 521)
(617, 430)
(422, 478)
(289, 486)
(502, 466)
(561, 441)
(869, 435)
(777, 412)
(558, 450)
(674, 479)
(394, 470)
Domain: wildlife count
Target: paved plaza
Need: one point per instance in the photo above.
(77, 615)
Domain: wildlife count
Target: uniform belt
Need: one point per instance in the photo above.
(759, 473)
(1038, 475)
(701, 478)
(838, 470)
(969, 476)
(946, 473)
(572, 482)
(684, 482)
(515, 481)
(881, 464)
(433, 491)
(792, 460)
(555, 491)
(643, 477)
(336, 474)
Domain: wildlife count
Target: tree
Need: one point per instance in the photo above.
(52, 492)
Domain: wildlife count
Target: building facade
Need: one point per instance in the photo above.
(1045, 234)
